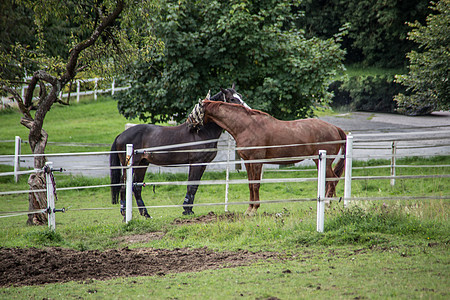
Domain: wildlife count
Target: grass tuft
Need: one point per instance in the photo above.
(44, 238)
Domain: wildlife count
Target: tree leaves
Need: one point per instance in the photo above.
(211, 44)
(427, 82)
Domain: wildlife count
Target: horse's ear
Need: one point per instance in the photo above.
(209, 95)
(222, 90)
(232, 86)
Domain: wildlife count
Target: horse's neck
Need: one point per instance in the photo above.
(232, 120)
(212, 129)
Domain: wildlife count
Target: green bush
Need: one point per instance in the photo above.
(367, 93)
(211, 44)
(427, 81)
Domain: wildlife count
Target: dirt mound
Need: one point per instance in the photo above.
(32, 266)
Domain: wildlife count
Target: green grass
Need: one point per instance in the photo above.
(96, 122)
(373, 250)
(378, 249)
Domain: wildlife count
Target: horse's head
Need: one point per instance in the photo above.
(229, 95)
(195, 118)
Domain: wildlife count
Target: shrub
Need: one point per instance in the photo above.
(367, 93)
(428, 79)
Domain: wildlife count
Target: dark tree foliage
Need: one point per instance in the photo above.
(427, 83)
(377, 28)
(211, 44)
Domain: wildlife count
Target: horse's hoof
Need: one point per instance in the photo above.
(147, 216)
(253, 212)
(188, 212)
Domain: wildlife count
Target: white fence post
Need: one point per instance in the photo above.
(394, 153)
(112, 86)
(348, 169)
(95, 88)
(17, 151)
(50, 196)
(321, 190)
(227, 177)
(129, 184)
(78, 90)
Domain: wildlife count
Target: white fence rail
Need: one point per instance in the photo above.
(79, 91)
(320, 179)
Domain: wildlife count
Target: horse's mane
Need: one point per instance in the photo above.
(249, 111)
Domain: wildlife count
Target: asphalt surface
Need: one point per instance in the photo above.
(415, 136)
(373, 135)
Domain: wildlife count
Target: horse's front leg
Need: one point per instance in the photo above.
(253, 173)
(195, 174)
(139, 175)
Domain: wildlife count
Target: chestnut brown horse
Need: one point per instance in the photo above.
(253, 128)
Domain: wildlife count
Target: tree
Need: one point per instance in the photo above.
(211, 44)
(376, 28)
(103, 37)
(427, 82)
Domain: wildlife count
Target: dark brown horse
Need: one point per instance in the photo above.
(148, 135)
(253, 128)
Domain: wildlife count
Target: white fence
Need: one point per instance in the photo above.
(79, 91)
(51, 210)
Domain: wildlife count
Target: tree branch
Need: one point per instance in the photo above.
(19, 101)
(74, 54)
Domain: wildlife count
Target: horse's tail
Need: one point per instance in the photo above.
(339, 168)
(115, 173)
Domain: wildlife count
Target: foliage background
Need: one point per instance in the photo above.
(428, 86)
(254, 44)
(377, 29)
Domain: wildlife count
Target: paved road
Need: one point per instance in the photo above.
(372, 131)
(419, 136)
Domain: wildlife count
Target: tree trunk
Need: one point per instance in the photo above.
(37, 200)
(37, 136)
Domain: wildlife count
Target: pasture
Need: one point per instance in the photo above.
(375, 249)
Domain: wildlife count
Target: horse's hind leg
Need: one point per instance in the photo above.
(195, 174)
(330, 185)
(139, 174)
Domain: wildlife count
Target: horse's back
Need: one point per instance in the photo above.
(317, 130)
(307, 134)
(135, 135)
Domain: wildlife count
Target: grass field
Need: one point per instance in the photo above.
(374, 250)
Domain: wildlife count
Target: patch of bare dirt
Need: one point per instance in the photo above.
(32, 266)
(209, 218)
